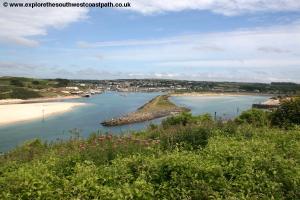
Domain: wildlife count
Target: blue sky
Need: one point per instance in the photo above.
(254, 41)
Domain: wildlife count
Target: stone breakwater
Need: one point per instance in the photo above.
(149, 111)
(136, 117)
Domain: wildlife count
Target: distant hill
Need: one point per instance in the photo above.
(26, 88)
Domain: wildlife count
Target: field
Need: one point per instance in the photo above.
(255, 156)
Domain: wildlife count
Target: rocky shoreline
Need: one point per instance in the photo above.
(149, 111)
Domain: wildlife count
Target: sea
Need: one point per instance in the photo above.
(85, 120)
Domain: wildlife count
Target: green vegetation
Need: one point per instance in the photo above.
(187, 157)
(22, 93)
(255, 117)
(159, 103)
(27, 88)
(288, 114)
(62, 82)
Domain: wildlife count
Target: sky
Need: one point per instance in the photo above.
(206, 40)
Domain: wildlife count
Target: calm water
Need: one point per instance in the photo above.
(105, 106)
(226, 107)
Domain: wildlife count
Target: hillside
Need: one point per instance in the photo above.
(255, 156)
(27, 88)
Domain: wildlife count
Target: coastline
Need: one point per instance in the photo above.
(13, 113)
(36, 100)
(213, 94)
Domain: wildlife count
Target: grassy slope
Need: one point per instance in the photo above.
(25, 88)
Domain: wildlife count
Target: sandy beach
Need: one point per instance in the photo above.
(208, 94)
(214, 94)
(273, 102)
(36, 100)
(13, 113)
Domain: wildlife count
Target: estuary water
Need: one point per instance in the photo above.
(86, 119)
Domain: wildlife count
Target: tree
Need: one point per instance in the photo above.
(62, 82)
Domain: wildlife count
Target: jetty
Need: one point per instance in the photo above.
(269, 104)
(158, 107)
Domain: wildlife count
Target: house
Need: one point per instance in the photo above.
(72, 88)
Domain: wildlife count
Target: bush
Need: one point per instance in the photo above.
(181, 119)
(188, 137)
(22, 93)
(255, 117)
(186, 118)
(35, 82)
(287, 115)
(16, 82)
(62, 82)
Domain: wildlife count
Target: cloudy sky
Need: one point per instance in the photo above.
(231, 40)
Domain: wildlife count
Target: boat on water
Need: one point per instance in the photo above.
(86, 95)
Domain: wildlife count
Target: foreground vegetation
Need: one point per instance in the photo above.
(254, 156)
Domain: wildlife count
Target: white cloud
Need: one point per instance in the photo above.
(225, 7)
(247, 63)
(19, 25)
(256, 54)
(126, 43)
(268, 46)
(273, 50)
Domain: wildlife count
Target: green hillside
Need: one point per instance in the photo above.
(26, 88)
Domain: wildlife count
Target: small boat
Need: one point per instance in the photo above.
(87, 95)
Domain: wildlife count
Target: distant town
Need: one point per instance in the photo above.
(162, 85)
(27, 88)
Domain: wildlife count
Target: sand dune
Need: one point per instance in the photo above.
(13, 113)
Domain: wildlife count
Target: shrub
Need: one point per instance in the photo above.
(16, 82)
(62, 82)
(255, 117)
(287, 115)
(35, 82)
(181, 119)
(186, 118)
(22, 93)
(190, 137)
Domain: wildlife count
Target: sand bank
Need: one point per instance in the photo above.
(208, 94)
(13, 113)
(216, 94)
(36, 100)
